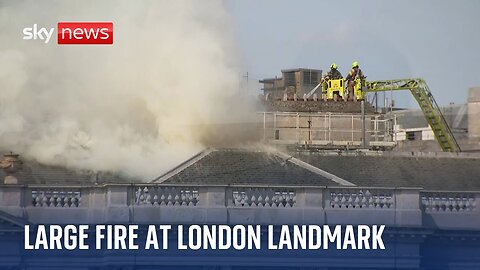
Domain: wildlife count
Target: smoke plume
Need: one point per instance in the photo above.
(134, 107)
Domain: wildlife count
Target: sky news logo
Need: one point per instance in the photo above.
(73, 33)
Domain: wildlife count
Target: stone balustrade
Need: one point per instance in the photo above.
(166, 196)
(263, 197)
(448, 201)
(48, 197)
(361, 198)
(159, 203)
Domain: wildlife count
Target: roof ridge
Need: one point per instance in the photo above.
(393, 154)
(313, 169)
(187, 163)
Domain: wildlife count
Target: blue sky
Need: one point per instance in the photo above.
(435, 40)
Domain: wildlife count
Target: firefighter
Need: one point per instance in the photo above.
(333, 74)
(355, 73)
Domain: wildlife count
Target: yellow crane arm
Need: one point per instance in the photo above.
(420, 91)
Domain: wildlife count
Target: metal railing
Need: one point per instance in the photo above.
(327, 129)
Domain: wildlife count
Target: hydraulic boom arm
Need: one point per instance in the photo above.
(431, 111)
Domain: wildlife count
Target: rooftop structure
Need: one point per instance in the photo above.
(297, 82)
(414, 133)
(448, 126)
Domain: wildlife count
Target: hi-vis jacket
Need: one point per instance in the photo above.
(352, 75)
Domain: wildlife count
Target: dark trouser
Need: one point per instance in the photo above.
(350, 87)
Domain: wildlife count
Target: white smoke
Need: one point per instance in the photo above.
(134, 107)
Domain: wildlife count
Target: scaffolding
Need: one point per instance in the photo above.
(328, 130)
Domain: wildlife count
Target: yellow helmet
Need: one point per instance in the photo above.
(354, 64)
(333, 66)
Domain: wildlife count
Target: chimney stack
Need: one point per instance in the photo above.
(10, 163)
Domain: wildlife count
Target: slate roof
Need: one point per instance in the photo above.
(37, 173)
(235, 166)
(226, 167)
(432, 173)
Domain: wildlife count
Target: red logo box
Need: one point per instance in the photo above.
(89, 33)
